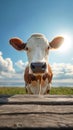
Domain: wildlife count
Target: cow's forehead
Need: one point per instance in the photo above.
(37, 40)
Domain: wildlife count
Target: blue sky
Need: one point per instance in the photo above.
(21, 18)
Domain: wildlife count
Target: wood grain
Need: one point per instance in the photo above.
(36, 111)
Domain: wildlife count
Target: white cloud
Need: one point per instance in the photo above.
(62, 70)
(8, 74)
(62, 74)
(62, 82)
(6, 65)
(20, 64)
(0, 53)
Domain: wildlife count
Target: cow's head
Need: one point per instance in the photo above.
(37, 48)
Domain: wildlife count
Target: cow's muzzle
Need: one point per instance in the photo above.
(38, 67)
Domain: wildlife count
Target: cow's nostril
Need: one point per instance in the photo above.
(44, 66)
(32, 66)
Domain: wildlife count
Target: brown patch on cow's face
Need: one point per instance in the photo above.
(29, 78)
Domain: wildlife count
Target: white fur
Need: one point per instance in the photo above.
(37, 49)
(38, 88)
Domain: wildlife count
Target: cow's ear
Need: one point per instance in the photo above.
(56, 42)
(17, 43)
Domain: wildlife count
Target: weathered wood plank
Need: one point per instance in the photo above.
(37, 99)
(17, 112)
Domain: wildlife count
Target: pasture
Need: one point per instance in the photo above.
(21, 90)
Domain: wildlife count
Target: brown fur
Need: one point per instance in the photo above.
(17, 43)
(30, 77)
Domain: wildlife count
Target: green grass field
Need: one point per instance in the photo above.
(21, 90)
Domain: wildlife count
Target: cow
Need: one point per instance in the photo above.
(38, 73)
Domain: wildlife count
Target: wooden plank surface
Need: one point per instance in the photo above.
(36, 111)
